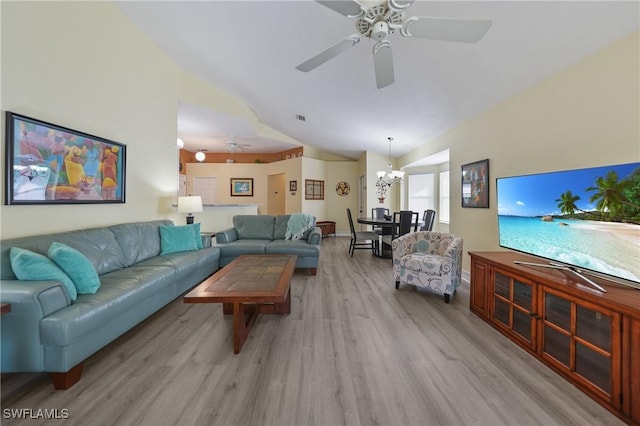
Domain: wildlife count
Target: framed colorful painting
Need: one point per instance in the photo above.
(51, 164)
(475, 184)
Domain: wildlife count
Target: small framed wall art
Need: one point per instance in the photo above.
(343, 188)
(313, 189)
(242, 187)
(293, 185)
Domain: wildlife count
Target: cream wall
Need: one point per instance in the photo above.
(333, 207)
(374, 163)
(223, 173)
(586, 115)
(316, 170)
(84, 66)
(336, 205)
(97, 73)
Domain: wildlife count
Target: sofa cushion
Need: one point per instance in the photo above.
(139, 240)
(280, 228)
(121, 291)
(76, 266)
(31, 266)
(98, 244)
(240, 247)
(299, 247)
(175, 239)
(252, 227)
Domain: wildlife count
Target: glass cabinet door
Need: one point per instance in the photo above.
(513, 306)
(578, 338)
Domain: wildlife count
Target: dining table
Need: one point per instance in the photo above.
(387, 226)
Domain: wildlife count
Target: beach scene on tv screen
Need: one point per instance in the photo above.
(588, 218)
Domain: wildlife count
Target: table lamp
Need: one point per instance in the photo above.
(191, 204)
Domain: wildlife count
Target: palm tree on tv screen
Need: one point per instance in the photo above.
(609, 194)
(567, 203)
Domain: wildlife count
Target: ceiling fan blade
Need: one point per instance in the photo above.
(330, 53)
(399, 5)
(350, 9)
(383, 63)
(447, 29)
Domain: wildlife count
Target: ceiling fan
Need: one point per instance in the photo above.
(233, 146)
(378, 19)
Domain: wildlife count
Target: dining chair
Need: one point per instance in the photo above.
(403, 222)
(361, 240)
(380, 213)
(428, 217)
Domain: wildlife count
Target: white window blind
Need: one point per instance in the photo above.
(444, 201)
(421, 192)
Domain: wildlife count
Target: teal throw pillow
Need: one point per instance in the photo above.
(30, 266)
(77, 267)
(196, 231)
(175, 239)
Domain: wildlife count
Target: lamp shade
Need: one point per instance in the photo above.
(190, 204)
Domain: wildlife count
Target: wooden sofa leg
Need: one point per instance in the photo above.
(446, 298)
(313, 271)
(63, 381)
(397, 285)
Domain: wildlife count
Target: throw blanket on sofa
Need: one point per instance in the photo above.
(298, 224)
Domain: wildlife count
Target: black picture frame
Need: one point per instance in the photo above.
(475, 184)
(50, 164)
(242, 187)
(293, 185)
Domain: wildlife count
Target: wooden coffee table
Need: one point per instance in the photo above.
(249, 285)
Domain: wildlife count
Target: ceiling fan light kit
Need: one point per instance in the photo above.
(200, 156)
(380, 20)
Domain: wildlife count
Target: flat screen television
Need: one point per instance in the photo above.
(587, 219)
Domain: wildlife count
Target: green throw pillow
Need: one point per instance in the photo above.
(30, 266)
(174, 239)
(77, 267)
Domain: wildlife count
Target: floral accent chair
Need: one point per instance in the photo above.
(431, 260)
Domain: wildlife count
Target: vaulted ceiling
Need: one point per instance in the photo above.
(250, 49)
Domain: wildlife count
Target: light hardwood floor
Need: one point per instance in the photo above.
(354, 351)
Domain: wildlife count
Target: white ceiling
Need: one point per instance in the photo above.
(250, 49)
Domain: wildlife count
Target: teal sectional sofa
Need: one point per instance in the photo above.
(46, 331)
(265, 234)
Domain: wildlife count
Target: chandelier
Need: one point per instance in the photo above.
(388, 177)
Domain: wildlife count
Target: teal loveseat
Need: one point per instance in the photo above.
(265, 234)
(46, 331)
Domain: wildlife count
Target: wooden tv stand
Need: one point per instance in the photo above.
(590, 338)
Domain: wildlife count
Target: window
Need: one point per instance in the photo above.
(444, 197)
(205, 187)
(421, 192)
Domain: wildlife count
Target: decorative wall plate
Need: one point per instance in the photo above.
(343, 188)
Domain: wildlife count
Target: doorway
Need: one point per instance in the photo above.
(275, 194)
